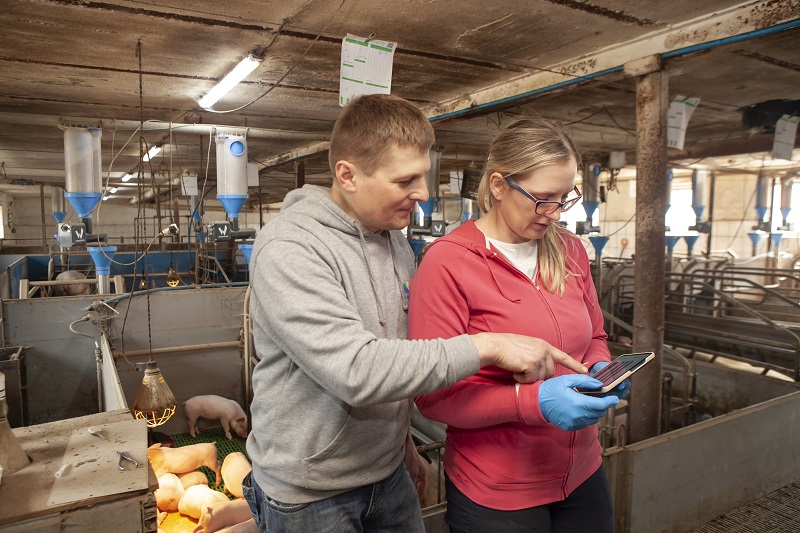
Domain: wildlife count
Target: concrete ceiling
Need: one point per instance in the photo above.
(470, 66)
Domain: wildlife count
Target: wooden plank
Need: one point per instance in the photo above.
(92, 464)
(25, 494)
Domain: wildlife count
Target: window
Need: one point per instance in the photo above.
(681, 215)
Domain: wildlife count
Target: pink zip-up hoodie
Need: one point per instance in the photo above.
(500, 451)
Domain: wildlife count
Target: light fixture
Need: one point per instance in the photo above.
(173, 279)
(127, 177)
(154, 403)
(154, 151)
(240, 72)
(106, 198)
(114, 189)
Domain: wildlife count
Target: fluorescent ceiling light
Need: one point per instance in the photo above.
(240, 72)
(154, 151)
(127, 177)
(114, 189)
(106, 198)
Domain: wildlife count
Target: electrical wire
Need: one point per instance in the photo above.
(84, 318)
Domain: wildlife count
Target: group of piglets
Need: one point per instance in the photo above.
(183, 488)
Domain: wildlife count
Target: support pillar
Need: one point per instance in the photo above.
(649, 271)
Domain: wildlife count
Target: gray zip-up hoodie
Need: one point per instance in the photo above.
(331, 391)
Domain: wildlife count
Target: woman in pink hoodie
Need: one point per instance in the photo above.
(519, 457)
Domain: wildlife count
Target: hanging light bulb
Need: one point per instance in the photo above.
(155, 402)
(173, 279)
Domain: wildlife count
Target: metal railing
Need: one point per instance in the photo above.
(701, 314)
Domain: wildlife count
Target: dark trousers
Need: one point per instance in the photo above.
(587, 510)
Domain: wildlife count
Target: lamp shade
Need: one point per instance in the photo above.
(155, 402)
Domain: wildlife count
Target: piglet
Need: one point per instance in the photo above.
(169, 492)
(234, 468)
(197, 498)
(212, 407)
(193, 478)
(248, 526)
(223, 514)
(184, 459)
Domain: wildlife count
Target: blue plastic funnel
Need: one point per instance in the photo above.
(102, 256)
(417, 245)
(232, 203)
(83, 202)
(247, 249)
(599, 243)
(671, 240)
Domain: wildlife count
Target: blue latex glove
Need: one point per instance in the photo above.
(621, 390)
(562, 406)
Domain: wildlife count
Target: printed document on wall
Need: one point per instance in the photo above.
(680, 111)
(366, 67)
(785, 133)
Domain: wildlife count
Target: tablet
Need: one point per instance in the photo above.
(617, 371)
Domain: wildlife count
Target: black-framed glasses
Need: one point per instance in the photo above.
(547, 207)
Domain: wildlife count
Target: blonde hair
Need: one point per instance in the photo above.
(524, 146)
(371, 123)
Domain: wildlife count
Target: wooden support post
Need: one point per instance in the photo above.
(299, 174)
(649, 271)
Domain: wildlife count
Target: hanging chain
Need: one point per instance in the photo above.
(141, 186)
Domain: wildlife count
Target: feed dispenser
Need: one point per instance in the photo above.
(83, 165)
(591, 198)
(102, 257)
(231, 187)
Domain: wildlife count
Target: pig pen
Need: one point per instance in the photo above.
(195, 336)
(744, 447)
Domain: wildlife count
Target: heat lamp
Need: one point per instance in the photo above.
(173, 279)
(154, 403)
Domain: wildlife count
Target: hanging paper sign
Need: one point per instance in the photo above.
(189, 185)
(680, 111)
(366, 67)
(785, 133)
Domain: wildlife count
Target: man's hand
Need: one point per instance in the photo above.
(416, 466)
(531, 359)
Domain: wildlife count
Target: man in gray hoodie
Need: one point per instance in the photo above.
(329, 276)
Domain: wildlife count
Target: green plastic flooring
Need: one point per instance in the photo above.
(224, 447)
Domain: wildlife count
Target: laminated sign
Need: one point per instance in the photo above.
(366, 68)
(680, 111)
(785, 133)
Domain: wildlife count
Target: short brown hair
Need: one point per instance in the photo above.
(371, 123)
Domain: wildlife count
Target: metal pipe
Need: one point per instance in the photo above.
(713, 184)
(649, 270)
(98, 359)
(44, 224)
(157, 125)
(103, 284)
(185, 348)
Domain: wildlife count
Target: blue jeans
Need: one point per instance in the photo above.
(391, 505)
